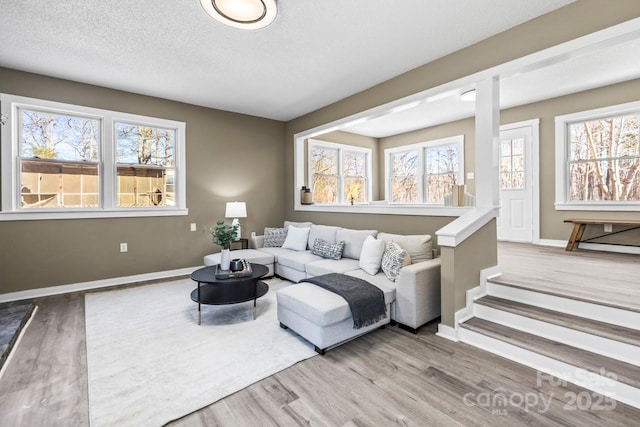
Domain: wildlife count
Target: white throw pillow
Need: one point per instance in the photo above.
(296, 238)
(393, 260)
(353, 240)
(371, 255)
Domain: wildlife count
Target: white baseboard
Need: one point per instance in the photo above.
(610, 248)
(95, 284)
(473, 294)
(554, 243)
(447, 332)
(621, 249)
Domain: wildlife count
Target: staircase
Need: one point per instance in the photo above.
(587, 343)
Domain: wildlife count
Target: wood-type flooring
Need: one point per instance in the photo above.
(385, 378)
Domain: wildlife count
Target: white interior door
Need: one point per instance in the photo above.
(515, 223)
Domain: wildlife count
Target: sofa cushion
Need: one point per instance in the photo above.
(314, 303)
(327, 266)
(251, 255)
(371, 255)
(353, 240)
(327, 250)
(394, 259)
(297, 259)
(417, 246)
(324, 232)
(379, 280)
(296, 238)
(297, 224)
(320, 306)
(275, 252)
(274, 237)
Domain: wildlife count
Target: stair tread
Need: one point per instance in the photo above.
(625, 372)
(552, 287)
(582, 324)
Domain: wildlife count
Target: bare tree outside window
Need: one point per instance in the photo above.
(58, 160)
(145, 160)
(512, 164)
(324, 170)
(404, 177)
(355, 176)
(441, 171)
(604, 159)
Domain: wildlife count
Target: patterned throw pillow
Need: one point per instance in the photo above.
(327, 250)
(274, 237)
(393, 260)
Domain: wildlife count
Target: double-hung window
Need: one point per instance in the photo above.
(424, 173)
(598, 159)
(68, 161)
(339, 173)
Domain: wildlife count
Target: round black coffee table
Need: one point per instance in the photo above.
(233, 290)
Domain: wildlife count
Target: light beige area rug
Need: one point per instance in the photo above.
(150, 363)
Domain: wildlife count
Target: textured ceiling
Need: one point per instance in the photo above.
(315, 53)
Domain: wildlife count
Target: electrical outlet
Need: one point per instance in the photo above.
(608, 228)
(193, 226)
(123, 247)
(470, 175)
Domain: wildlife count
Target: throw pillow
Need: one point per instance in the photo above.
(327, 249)
(393, 260)
(353, 240)
(274, 237)
(418, 246)
(297, 224)
(296, 238)
(371, 255)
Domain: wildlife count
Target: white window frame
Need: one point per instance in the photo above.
(341, 149)
(421, 148)
(10, 105)
(562, 160)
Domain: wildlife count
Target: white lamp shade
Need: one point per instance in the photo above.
(236, 210)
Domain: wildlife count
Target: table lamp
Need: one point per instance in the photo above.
(236, 210)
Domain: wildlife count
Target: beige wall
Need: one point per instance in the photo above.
(552, 224)
(461, 266)
(575, 20)
(46, 253)
(551, 221)
(229, 157)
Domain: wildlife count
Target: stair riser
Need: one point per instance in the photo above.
(593, 343)
(628, 319)
(588, 380)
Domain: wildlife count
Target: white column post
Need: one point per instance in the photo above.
(487, 140)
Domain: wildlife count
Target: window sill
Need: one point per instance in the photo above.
(603, 206)
(387, 209)
(30, 216)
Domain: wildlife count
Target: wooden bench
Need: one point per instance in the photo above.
(580, 224)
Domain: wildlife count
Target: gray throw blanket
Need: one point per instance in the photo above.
(366, 301)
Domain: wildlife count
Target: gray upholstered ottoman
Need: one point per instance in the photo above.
(250, 255)
(320, 316)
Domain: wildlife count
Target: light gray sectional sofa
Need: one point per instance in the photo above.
(323, 317)
(414, 298)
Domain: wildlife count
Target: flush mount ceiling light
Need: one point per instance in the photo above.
(468, 95)
(245, 14)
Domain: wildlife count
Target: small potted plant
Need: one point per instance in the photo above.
(222, 235)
